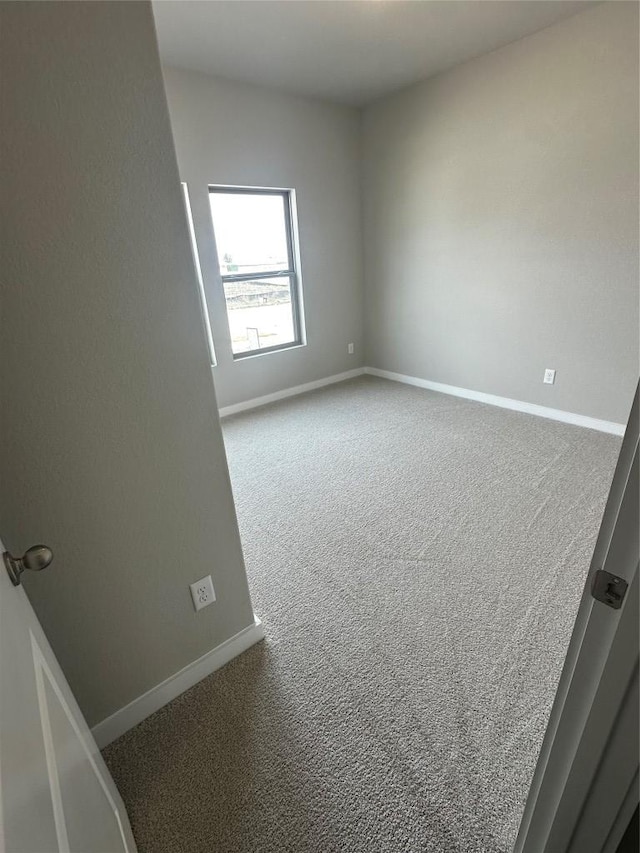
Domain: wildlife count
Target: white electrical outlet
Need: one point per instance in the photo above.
(549, 376)
(202, 593)
(350, 349)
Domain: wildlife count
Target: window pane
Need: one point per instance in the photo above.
(260, 313)
(251, 234)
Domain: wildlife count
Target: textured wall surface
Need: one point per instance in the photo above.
(111, 449)
(237, 134)
(501, 220)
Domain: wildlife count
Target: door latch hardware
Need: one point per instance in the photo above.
(609, 589)
(37, 558)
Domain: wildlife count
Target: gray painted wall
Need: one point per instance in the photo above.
(234, 133)
(111, 450)
(501, 220)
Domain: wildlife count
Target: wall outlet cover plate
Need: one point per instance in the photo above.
(202, 592)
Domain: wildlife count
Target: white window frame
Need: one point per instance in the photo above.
(292, 272)
(198, 269)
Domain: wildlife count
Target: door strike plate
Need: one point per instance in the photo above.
(609, 589)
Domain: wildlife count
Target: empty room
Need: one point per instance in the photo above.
(319, 369)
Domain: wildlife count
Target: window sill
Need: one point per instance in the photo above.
(238, 357)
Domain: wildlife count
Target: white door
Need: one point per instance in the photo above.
(585, 787)
(56, 793)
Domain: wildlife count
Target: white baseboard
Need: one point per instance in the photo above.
(142, 707)
(503, 402)
(225, 411)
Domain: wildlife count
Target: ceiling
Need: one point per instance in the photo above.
(350, 51)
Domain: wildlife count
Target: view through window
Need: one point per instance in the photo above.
(254, 238)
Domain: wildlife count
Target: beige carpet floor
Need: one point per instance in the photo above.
(417, 560)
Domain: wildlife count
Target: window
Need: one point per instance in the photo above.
(254, 238)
